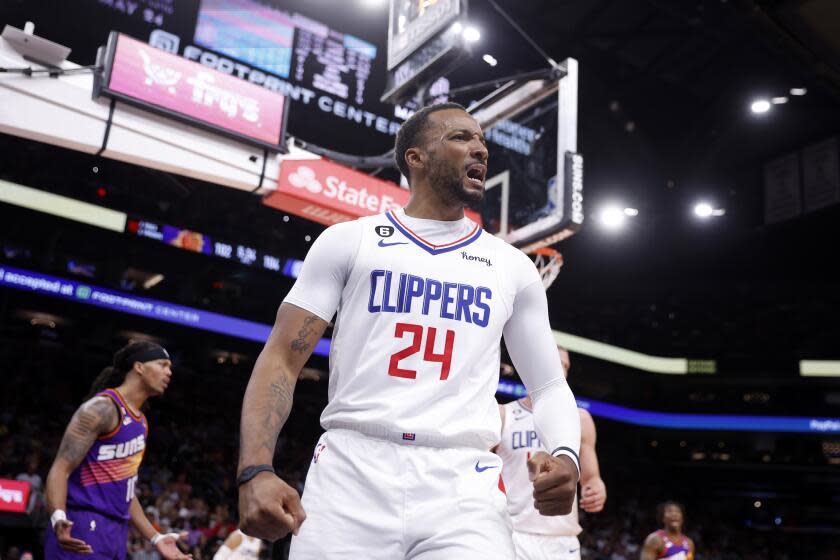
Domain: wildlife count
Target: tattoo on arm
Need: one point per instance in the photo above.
(277, 411)
(300, 344)
(91, 420)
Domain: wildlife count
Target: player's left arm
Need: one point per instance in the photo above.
(165, 544)
(690, 549)
(593, 489)
(531, 346)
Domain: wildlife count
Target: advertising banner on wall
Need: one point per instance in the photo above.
(329, 193)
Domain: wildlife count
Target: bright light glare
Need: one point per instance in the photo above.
(631, 212)
(457, 27)
(760, 106)
(703, 209)
(490, 59)
(471, 34)
(373, 3)
(798, 91)
(612, 217)
(781, 100)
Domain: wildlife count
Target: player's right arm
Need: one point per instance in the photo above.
(593, 490)
(652, 547)
(95, 417)
(268, 507)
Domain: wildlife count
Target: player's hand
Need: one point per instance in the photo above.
(555, 483)
(269, 508)
(167, 548)
(593, 496)
(68, 542)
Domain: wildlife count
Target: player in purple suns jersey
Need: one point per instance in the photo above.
(669, 542)
(422, 298)
(90, 486)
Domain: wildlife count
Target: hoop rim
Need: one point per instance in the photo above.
(545, 251)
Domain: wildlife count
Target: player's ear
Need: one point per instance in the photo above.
(415, 158)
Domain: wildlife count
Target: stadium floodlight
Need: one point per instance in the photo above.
(490, 59)
(612, 217)
(798, 91)
(781, 100)
(760, 106)
(471, 34)
(632, 212)
(704, 210)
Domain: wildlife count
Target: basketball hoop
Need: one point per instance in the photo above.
(549, 262)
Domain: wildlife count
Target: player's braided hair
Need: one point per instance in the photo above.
(114, 375)
(411, 132)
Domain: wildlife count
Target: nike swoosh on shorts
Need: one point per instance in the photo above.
(383, 244)
(482, 469)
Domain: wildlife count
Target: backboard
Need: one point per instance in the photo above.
(535, 175)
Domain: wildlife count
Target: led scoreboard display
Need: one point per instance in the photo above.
(422, 41)
(199, 243)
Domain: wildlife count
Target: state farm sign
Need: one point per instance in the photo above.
(329, 193)
(14, 495)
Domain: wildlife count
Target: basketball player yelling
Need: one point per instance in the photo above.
(423, 297)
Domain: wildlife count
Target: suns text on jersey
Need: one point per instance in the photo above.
(122, 450)
(415, 294)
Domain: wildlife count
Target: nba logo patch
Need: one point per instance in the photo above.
(384, 231)
(408, 437)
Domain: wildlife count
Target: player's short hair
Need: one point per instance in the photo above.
(660, 510)
(411, 132)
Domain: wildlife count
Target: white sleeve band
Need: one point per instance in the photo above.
(58, 515)
(157, 537)
(531, 346)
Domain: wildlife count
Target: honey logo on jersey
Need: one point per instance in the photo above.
(467, 257)
(122, 450)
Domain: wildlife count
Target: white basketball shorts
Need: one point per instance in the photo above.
(530, 546)
(379, 500)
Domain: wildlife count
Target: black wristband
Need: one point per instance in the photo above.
(250, 472)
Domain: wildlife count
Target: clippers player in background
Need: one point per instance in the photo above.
(669, 542)
(423, 297)
(536, 536)
(239, 546)
(90, 486)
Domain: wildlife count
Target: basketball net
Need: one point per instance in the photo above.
(549, 262)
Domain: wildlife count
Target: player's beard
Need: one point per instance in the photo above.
(448, 183)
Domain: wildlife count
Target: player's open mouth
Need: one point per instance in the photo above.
(476, 173)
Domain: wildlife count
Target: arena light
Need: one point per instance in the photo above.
(490, 59)
(760, 106)
(611, 217)
(781, 100)
(632, 212)
(798, 91)
(704, 211)
(471, 34)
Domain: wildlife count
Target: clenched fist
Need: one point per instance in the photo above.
(555, 483)
(269, 508)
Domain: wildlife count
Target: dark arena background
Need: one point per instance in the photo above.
(699, 292)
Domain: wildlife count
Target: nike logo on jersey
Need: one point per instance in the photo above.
(482, 469)
(383, 244)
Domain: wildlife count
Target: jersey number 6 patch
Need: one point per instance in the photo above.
(416, 332)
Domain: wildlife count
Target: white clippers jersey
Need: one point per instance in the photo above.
(421, 307)
(519, 442)
(249, 549)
